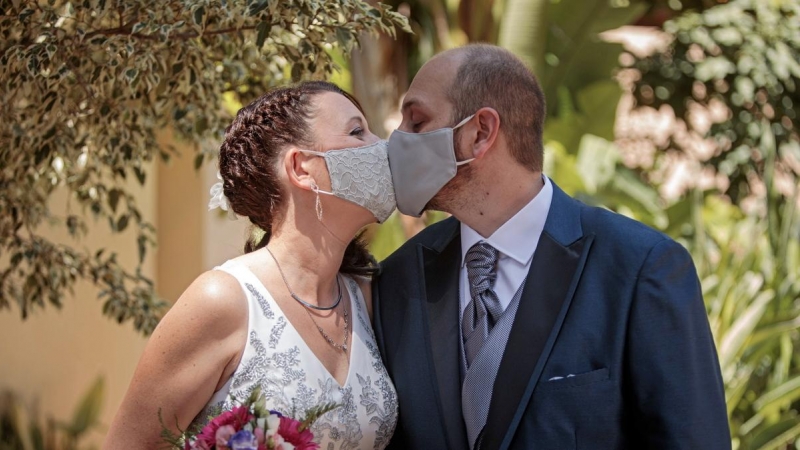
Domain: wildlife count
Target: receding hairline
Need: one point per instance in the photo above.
(493, 76)
(452, 60)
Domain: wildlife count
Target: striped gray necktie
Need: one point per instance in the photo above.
(484, 308)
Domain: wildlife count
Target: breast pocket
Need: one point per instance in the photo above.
(572, 381)
(579, 412)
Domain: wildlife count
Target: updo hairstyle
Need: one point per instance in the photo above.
(249, 155)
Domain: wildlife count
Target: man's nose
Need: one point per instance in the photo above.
(405, 125)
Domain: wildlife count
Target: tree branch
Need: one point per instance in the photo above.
(126, 30)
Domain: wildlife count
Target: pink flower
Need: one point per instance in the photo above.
(224, 434)
(197, 445)
(236, 417)
(259, 433)
(301, 440)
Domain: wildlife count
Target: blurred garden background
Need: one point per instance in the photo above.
(679, 113)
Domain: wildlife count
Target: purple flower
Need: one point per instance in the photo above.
(243, 440)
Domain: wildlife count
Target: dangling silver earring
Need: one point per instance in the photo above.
(315, 188)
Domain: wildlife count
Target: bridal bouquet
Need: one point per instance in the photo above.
(250, 426)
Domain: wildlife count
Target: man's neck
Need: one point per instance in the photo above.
(499, 201)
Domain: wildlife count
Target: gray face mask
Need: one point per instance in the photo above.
(361, 175)
(421, 164)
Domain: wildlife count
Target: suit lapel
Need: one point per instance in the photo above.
(553, 277)
(441, 267)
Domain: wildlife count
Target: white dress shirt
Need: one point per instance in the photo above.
(516, 240)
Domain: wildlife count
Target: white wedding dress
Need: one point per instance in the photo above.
(292, 378)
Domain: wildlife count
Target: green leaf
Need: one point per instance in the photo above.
(138, 27)
(123, 223)
(786, 393)
(777, 435)
(198, 161)
(33, 65)
(198, 15)
(256, 6)
(131, 74)
(16, 259)
(140, 175)
(297, 71)
(23, 16)
(263, 31)
(141, 243)
(742, 328)
(597, 161)
(598, 103)
(113, 198)
(343, 37)
(87, 414)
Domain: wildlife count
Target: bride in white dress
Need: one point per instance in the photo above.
(292, 315)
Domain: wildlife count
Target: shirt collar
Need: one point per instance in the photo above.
(517, 238)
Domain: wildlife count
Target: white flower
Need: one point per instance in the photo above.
(218, 199)
(273, 422)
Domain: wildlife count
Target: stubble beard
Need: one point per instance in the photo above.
(452, 197)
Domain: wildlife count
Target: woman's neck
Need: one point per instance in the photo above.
(308, 258)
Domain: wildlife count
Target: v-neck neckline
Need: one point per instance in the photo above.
(353, 335)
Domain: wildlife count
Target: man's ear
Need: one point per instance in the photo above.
(297, 167)
(487, 123)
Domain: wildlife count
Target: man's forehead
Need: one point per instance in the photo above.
(430, 85)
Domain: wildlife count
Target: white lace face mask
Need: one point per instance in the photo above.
(361, 175)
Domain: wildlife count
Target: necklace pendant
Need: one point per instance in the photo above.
(344, 347)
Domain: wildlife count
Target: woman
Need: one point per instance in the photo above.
(292, 315)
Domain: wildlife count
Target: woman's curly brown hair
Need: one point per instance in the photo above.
(249, 153)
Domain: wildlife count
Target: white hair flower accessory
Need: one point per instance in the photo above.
(218, 199)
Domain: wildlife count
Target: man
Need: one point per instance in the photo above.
(529, 320)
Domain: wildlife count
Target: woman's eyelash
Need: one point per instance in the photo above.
(357, 132)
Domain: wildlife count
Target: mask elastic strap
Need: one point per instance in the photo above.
(464, 121)
(317, 190)
(311, 152)
(461, 163)
(466, 161)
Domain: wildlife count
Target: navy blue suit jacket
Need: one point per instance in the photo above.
(607, 299)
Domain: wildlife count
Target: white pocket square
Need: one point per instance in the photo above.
(561, 378)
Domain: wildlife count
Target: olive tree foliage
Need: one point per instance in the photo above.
(85, 86)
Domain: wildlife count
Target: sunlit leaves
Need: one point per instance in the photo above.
(745, 55)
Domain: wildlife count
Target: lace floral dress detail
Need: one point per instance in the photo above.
(292, 378)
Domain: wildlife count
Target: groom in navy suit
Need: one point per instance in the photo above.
(529, 320)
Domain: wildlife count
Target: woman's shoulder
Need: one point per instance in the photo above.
(214, 302)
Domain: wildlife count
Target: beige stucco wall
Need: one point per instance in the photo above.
(55, 355)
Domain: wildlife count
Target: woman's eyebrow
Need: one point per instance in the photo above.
(356, 119)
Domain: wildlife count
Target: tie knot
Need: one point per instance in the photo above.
(481, 261)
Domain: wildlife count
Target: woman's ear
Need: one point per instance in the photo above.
(487, 124)
(298, 167)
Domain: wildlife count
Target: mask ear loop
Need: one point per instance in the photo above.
(318, 208)
(464, 121)
(466, 161)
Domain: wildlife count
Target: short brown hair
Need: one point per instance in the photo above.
(491, 76)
